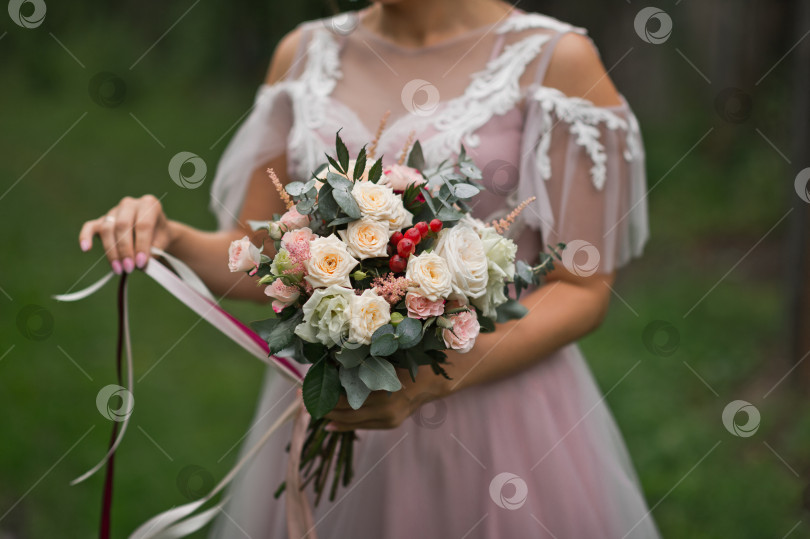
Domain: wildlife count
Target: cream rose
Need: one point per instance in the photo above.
(243, 255)
(400, 219)
(366, 238)
(430, 274)
(464, 254)
(329, 263)
(369, 312)
(326, 316)
(376, 201)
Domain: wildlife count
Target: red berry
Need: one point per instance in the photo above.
(396, 237)
(422, 227)
(397, 264)
(435, 225)
(414, 235)
(405, 247)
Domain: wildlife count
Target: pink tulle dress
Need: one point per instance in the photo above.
(534, 455)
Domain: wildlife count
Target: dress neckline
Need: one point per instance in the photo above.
(479, 30)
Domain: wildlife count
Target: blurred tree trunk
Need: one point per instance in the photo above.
(800, 251)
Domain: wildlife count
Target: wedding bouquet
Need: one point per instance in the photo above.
(379, 268)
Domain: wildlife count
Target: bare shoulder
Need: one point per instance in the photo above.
(577, 71)
(284, 56)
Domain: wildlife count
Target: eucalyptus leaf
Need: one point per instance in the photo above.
(327, 206)
(295, 189)
(384, 345)
(338, 181)
(352, 357)
(356, 390)
(341, 221)
(449, 214)
(382, 330)
(409, 332)
(305, 207)
(378, 374)
(259, 225)
(278, 332)
(465, 190)
(347, 203)
(510, 310)
(321, 389)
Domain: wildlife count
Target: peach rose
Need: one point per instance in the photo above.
(282, 294)
(399, 177)
(421, 307)
(366, 238)
(243, 255)
(292, 219)
(329, 263)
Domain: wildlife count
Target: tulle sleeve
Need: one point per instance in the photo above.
(261, 138)
(585, 166)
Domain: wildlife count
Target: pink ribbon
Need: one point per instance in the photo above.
(300, 523)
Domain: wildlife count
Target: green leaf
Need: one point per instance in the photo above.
(415, 158)
(338, 181)
(525, 272)
(384, 345)
(379, 374)
(335, 165)
(487, 324)
(375, 172)
(341, 221)
(409, 332)
(352, 357)
(313, 351)
(259, 225)
(382, 330)
(342, 152)
(510, 310)
(469, 169)
(295, 189)
(278, 332)
(465, 190)
(360, 164)
(449, 214)
(305, 207)
(429, 200)
(327, 206)
(321, 389)
(356, 390)
(347, 203)
(319, 169)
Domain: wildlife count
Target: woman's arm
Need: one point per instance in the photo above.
(130, 228)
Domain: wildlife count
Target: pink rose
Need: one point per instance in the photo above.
(421, 307)
(465, 330)
(243, 255)
(292, 219)
(399, 177)
(297, 243)
(282, 294)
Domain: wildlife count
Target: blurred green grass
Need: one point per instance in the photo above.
(198, 396)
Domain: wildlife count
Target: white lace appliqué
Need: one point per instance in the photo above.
(584, 118)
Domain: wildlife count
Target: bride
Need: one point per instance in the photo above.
(520, 442)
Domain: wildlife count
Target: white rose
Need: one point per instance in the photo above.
(464, 254)
(326, 316)
(369, 312)
(500, 252)
(376, 201)
(430, 274)
(243, 255)
(329, 263)
(400, 219)
(366, 238)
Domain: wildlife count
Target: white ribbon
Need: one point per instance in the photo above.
(187, 287)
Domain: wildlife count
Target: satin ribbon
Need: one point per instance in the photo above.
(177, 522)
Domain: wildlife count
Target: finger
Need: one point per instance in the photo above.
(145, 222)
(364, 413)
(107, 234)
(343, 404)
(89, 229)
(124, 221)
(377, 424)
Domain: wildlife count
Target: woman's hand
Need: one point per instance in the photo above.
(384, 410)
(128, 231)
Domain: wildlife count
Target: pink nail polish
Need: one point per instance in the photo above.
(85, 245)
(129, 265)
(116, 267)
(140, 260)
